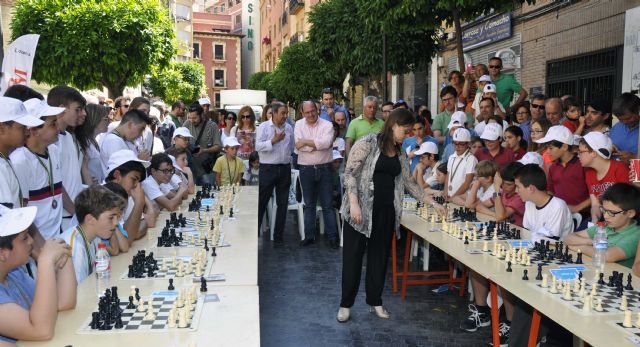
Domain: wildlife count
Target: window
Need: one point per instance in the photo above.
(218, 78)
(238, 19)
(196, 50)
(230, 3)
(222, 8)
(216, 100)
(218, 51)
(238, 2)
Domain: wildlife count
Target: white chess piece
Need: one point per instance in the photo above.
(594, 288)
(599, 305)
(627, 319)
(554, 283)
(150, 315)
(485, 245)
(171, 320)
(586, 307)
(623, 303)
(638, 320)
(567, 293)
(545, 281)
(141, 305)
(182, 319)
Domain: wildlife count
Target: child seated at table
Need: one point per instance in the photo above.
(98, 210)
(229, 168)
(29, 308)
(437, 181)
(161, 171)
(481, 191)
(428, 154)
(252, 170)
(507, 203)
(620, 204)
(183, 173)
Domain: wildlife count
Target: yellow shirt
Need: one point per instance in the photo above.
(227, 172)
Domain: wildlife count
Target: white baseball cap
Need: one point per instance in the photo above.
(123, 156)
(13, 110)
(17, 220)
(462, 135)
(427, 147)
(484, 78)
(458, 119)
(558, 133)
(40, 108)
(532, 158)
(204, 101)
(337, 155)
(181, 131)
(491, 132)
(230, 141)
(489, 88)
(175, 164)
(600, 143)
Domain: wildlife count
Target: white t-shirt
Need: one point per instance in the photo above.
(145, 141)
(458, 167)
(552, 220)
(427, 173)
(110, 144)
(151, 188)
(9, 185)
(34, 181)
(71, 161)
(158, 146)
(432, 179)
(339, 144)
(484, 195)
(95, 164)
(174, 184)
(83, 255)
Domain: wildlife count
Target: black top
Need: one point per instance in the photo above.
(384, 174)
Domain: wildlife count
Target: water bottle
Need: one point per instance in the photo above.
(103, 269)
(600, 246)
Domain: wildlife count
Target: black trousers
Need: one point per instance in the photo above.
(377, 247)
(278, 177)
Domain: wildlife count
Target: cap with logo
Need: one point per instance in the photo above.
(484, 78)
(40, 108)
(489, 88)
(13, 110)
(558, 133)
(336, 155)
(17, 220)
(230, 141)
(600, 143)
(461, 135)
(427, 147)
(122, 156)
(491, 132)
(458, 119)
(175, 163)
(182, 131)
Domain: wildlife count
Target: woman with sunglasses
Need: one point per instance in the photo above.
(246, 132)
(229, 129)
(95, 124)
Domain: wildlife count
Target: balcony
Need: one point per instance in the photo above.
(297, 37)
(295, 6)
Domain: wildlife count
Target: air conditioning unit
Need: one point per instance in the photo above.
(219, 82)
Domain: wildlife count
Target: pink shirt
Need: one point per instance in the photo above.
(322, 135)
(516, 204)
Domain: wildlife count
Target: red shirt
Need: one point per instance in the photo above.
(568, 182)
(618, 172)
(517, 155)
(571, 125)
(504, 156)
(516, 204)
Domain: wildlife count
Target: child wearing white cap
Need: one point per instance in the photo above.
(29, 308)
(14, 119)
(461, 166)
(488, 90)
(39, 170)
(229, 168)
(428, 154)
(594, 152)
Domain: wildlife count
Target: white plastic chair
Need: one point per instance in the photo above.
(291, 206)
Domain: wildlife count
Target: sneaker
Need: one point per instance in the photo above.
(503, 333)
(475, 320)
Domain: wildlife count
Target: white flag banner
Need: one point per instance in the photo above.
(18, 62)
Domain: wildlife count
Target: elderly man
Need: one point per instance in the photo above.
(274, 143)
(206, 144)
(624, 134)
(341, 119)
(553, 109)
(314, 140)
(366, 124)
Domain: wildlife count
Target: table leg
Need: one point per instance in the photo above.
(535, 326)
(405, 266)
(495, 318)
(394, 263)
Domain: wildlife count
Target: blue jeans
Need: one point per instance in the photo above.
(317, 184)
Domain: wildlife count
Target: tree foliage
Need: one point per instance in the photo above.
(179, 81)
(92, 43)
(262, 81)
(301, 75)
(341, 38)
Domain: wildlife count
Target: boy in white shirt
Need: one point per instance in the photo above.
(133, 124)
(98, 210)
(461, 165)
(481, 191)
(546, 216)
(183, 172)
(71, 156)
(39, 169)
(161, 172)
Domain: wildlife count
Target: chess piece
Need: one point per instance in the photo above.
(485, 246)
(131, 305)
(554, 283)
(601, 279)
(567, 293)
(599, 305)
(628, 286)
(525, 277)
(203, 285)
(539, 275)
(579, 258)
(213, 252)
(141, 305)
(171, 320)
(545, 280)
(594, 289)
(638, 321)
(624, 303)
(466, 240)
(627, 319)
(171, 287)
(150, 315)
(180, 273)
(182, 319)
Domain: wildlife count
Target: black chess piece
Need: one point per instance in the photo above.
(130, 274)
(206, 244)
(539, 275)
(509, 267)
(579, 275)
(231, 212)
(94, 321)
(213, 253)
(525, 277)
(611, 281)
(466, 240)
(150, 273)
(628, 286)
(130, 305)
(601, 279)
(579, 258)
(221, 210)
(171, 287)
(203, 285)
(138, 294)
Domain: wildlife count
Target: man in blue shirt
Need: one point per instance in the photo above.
(411, 144)
(624, 135)
(329, 107)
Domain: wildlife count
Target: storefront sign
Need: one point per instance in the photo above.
(490, 31)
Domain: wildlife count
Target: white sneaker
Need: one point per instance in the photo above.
(379, 311)
(343, 314)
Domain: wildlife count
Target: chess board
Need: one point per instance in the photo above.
(133, 321)
(171, 271)
(481, 236)
(535, 260)
(196, 242)
(633, 332)
(610, 301)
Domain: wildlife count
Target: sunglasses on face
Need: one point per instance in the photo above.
(538, 106)
(495, 67)
(125, 106)
(246, 116)
(230, 118)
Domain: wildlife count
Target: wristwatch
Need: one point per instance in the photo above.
(496, 195)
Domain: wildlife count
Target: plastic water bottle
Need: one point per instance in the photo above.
(103, 269)
(600, 246)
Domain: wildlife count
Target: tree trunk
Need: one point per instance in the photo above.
(115, 90)
(458, 27)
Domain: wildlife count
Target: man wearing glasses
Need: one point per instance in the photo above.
(386, 108)
(449, 97)
(537, 107)
(506, 85)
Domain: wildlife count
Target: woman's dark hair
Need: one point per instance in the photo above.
(116, 188)
(517, 131)
(84, 132)
(265, 110)
(399, 116)
(426, 114)
(233, 115)
(545, 125)
(22, 93)
(253, 157)
(127, 167)
(456, 72)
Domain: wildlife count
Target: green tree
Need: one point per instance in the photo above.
(343, 35)
(301, 74)
(179, 81)
(92, 43)
(261, 81)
